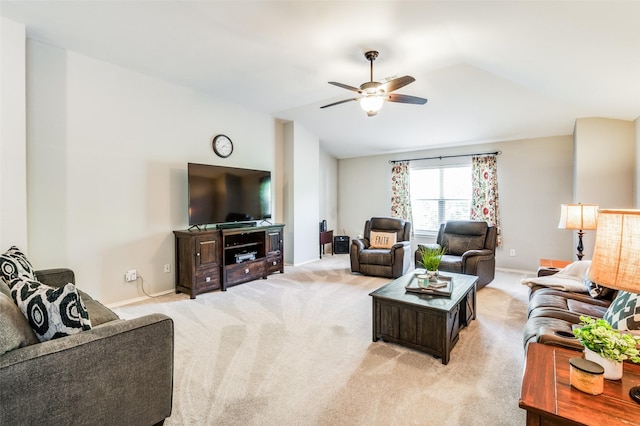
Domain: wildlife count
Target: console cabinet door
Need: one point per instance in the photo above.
(274, 241)
(206, 248)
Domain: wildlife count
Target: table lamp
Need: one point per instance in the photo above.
(578, 217)
(616, 256)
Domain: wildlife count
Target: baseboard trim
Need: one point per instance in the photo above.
(137, 299)
(517, 271)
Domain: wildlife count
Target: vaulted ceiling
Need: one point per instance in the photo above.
(492, 70)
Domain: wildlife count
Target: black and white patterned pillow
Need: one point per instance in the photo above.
(624, 312)
(51, 312)
(595, 290)
(14, 264)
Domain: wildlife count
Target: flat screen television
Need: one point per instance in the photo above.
(219, 194)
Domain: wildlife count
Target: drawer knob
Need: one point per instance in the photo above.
(275, 263)
(246, 271)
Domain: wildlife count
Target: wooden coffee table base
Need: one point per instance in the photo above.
(426, 323)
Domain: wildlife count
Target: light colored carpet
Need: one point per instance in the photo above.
(296, 349)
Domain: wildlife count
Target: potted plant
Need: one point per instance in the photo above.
(430, 258)
(607, 346)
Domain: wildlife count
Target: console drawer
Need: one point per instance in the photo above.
(207, 278)
(245, 271)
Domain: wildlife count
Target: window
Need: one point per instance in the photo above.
(440, 194)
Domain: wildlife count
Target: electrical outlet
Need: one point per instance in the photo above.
(131, 275)
(512, 252)
(167, 268)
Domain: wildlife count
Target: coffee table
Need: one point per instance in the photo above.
(424, 322)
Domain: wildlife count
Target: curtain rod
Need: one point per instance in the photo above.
(446, 156)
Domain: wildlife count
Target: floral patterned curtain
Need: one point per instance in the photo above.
(484, 198)
(400, 194)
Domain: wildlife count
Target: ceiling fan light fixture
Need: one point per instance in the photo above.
(371, 104)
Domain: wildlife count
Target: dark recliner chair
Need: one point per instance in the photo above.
(470, 249)
(382, 262)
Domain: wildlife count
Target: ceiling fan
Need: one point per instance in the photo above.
(375, 93)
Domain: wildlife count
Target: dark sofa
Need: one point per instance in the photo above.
(118, 373)
(553, 313)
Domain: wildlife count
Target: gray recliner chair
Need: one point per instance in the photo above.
(390, 262)
(470, 249)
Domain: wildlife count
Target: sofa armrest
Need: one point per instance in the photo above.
(57, 277)
(118, 373)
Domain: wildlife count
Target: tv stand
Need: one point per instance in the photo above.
(214, 259)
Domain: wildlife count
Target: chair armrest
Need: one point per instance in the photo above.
(401, 244)
(99, 374)
(470, 253)
(362, 243)
(432, 246)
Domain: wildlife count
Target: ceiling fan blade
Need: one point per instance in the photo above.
(345, 86)
(397, 83)
(340, 102)
(406, 99)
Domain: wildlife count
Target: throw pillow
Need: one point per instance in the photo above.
(624, 312)
(15, 331)
(51, 312)
(384, 240)
(14, 264)
(595, 290)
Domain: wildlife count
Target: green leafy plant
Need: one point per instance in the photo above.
(609, 343)
(430, 257)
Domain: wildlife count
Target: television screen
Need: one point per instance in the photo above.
(219, 194)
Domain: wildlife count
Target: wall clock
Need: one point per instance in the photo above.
(222, 146)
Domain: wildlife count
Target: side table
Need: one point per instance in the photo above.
(551, 266)
(549, 398)
(326, 237)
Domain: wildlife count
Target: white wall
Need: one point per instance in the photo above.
(302, 193)
(13, 169)
(534, 178)
(329, 191)
(604, 167)
(107, 155)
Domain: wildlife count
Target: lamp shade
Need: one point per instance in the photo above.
(616, 256)
(578, 216)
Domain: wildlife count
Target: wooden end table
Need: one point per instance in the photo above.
(549, 398)
(551, 266)
(326, 237)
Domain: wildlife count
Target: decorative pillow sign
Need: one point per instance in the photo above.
(14, 264)
(624, 312)
(384, 240)
(51, 312)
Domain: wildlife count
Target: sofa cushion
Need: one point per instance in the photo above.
(15, 331)
(383, 240)
(624, 312)
(51, 312)
(14, 264)
(376, 257)
(4, 289)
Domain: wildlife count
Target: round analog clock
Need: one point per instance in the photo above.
(222, 146)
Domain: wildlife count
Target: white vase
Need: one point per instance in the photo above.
(612, 369)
